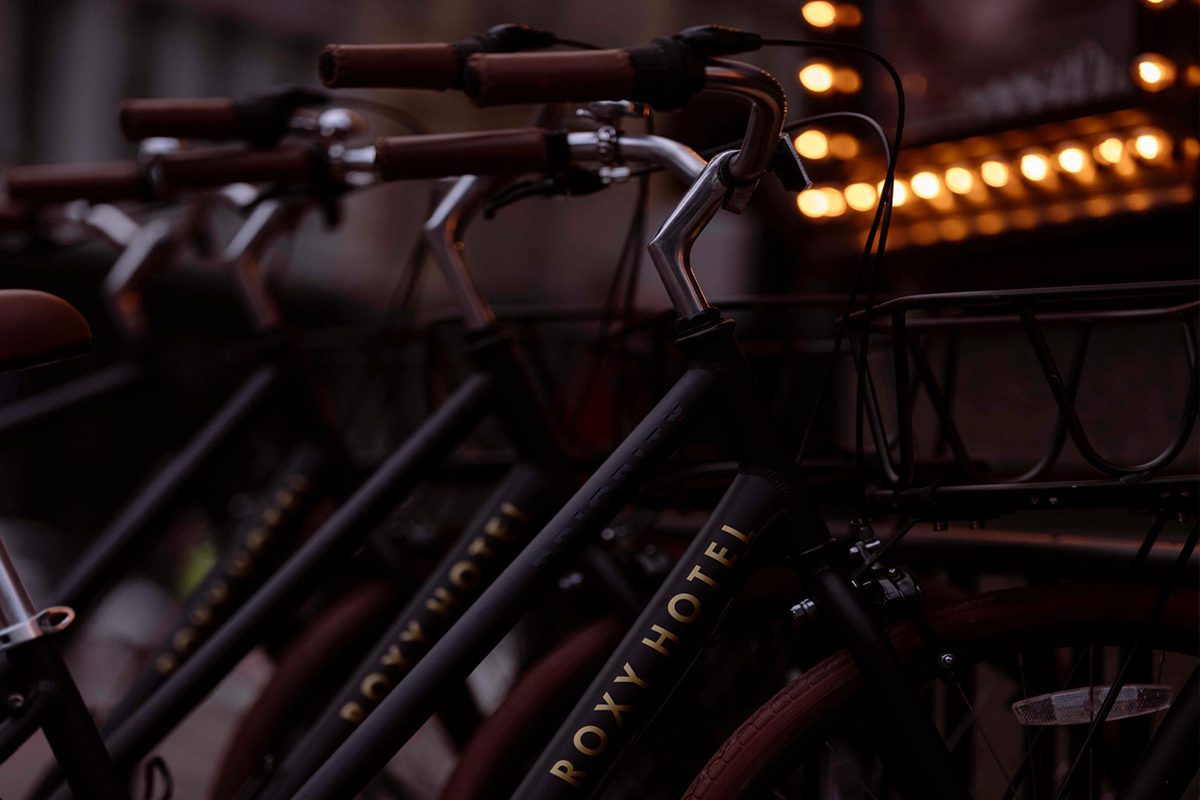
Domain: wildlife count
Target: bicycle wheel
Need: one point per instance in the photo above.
(786, 742)
(320, 645)
(510, 735)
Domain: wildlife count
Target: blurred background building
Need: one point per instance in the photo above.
(1014, 84)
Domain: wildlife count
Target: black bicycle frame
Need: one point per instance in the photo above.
(500, 386)
(682, 613)
(505, 523)
(259, 545)
(78, 393)
(49, 700)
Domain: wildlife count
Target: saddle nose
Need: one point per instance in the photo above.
(37, 328)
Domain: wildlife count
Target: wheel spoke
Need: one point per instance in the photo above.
(1030, 740)
(986, 740)
(852, 770)
(1110, 699)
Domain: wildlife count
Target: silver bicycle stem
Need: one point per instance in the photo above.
(444, 228)
(243, 258)
(443, 233)
(727, 180)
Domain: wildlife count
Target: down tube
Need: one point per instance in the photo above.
(300, 575)
(656, 652)
(113, 548)
(516, 510)
(415, 699)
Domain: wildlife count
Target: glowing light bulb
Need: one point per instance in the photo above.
(926, 185)
(819, 13)
(959, 180)
(1109, 151)
(817, 77)
(812, 144)
(1150, 144)
(843, 145)
(1072, 159)
(1154, 72)
(953, 230)
(848, 16)
(1159, 4)
(860, 196)
(994, 173)
(835, 202)
(899, 192)
(813, 203)
(1035, 166)
(989, 224)
(846, 80)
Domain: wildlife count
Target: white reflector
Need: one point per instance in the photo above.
(1079, 706)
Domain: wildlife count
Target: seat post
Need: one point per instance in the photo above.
(16, 606)
(37, 668)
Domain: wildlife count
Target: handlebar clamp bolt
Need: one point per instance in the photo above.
(805, 608)
(606, 143)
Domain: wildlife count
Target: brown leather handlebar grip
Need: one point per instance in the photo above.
(203, 118)
(397, 66)
(55, 183)
(558, 77)
(197, 168)
(129, 180)
(478, 153)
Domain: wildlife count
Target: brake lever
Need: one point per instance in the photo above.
(571, 182)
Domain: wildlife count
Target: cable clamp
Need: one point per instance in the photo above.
(50, 620)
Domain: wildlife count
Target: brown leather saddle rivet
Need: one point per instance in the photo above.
(37, 328)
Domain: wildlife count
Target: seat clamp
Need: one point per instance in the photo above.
(50, 620)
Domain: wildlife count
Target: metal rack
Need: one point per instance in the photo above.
(906, 324)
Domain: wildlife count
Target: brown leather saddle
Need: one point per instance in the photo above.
(37, 328)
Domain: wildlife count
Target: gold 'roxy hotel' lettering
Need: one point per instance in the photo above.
(592, 740)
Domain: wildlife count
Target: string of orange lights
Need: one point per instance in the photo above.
(1121, 154)
(1053, 173)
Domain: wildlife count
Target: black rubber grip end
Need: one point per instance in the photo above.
(667, 74)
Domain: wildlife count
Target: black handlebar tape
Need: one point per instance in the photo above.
(478, 153)
(420, 66)
(59, 183)
(665, 75)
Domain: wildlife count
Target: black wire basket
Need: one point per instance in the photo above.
(902, 334)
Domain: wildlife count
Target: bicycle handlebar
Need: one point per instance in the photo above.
(130, 180)
(665, 74)
(477, 153)
(120, 180)
(518, 150)
(261, 120)
(198, 118)
(290, 163)
(436, 66)
(407, 66)
(549, 77)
